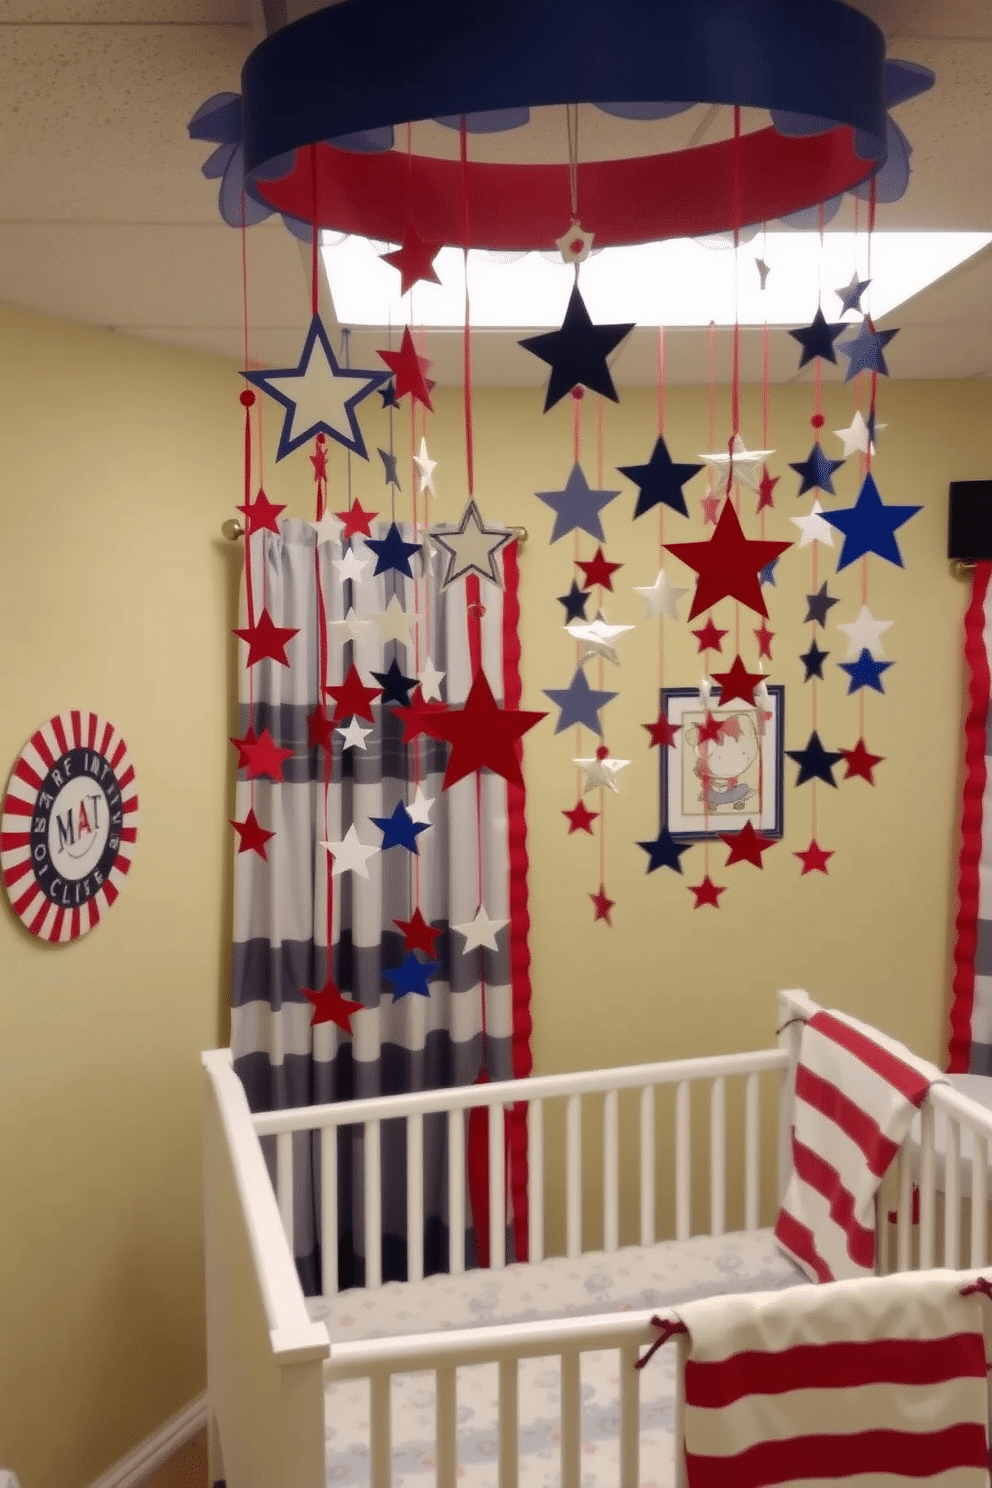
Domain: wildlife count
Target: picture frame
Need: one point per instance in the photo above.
(745, 766)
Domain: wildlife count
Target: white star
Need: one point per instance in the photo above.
(328, 529)
(394, 623)
(813, 528)
(661, 598)
(480, 932)
(350, 567)
(351, 624)
(599, 637)
(430, 682)
(763, 271)
(575, 245)
(426, 467)
(350, 855)
(471, 547)
(601, 772)
(855, 437)
(747, 463)
(420, 811)
(354, 735)
(865, 634)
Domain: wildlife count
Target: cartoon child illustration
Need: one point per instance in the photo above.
(721, 763)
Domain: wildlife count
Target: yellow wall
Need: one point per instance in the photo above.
(117, 465)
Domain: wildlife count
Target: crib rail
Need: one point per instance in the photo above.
(532, 1095)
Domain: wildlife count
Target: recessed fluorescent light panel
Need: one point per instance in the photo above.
(682, 282)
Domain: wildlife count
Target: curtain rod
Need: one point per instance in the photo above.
(233, 530)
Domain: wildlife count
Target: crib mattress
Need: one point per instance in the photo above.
(633, 1279)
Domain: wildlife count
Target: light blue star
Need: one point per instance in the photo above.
(577, 506)
(865, 351)
(579, 703)
(767, 574)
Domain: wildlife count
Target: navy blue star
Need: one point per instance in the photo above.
(865, 351)
(579, 703)
(767, 574)
(813, 661)
(574, 602)
(817, 339)
(660, 481)
(869, 526)
(395, 687)
(392, 552)
(400, 829)
(870, 425)
(577, 353)
(388, 395)
(850, 295)
(412, 976)
(816, 471)
(865, 672)
(389, 464)
(819, 604)
(815, 762)
(664, 851)
(577, 506)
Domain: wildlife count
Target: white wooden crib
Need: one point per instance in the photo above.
(270, 1364)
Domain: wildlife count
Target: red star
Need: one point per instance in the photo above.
(266, 640)
(814, 859)
(710, 728)
(319, 459)
(603, 906)
(418, 935)
(710, 505)
(737, 683)
(414, 259)
(352, 697)
(409, 371)
(243, 746)
(356, 520)
(746, 846)
(416, 718)
(662, 732)
(581, 818)
(728, 564)
(598, 571)
(765, 638)
(859, 762)
(261, 513)
(482, 735)
(252, 837)
(766, 486)
(264, 757)
(329, 1006)
(320, 730)
(709, 637)
(707, 892)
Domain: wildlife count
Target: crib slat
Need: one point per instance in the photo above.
(647, 1173)
(630, 1414)
(904, 1210)
(979, 1202)
(952, 1194)
(718, 1155)
(415, 1197)
(509, 1438)
(329, 1210)
(497, 1189)
(535, 1171)
(571, 1418)
(373, 1203)
(573, 1176)
(611, 1171)
(751, 1152)
(284, 1184)
(683, 1175)
(456, 1192)
(927, 1214)
(445, 1421)
(380, 1431)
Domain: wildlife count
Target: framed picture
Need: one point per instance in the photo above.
(713, 786)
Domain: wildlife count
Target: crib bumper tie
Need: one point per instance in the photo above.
(667, 1328)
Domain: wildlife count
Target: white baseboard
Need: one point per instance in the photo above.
(149, 1455)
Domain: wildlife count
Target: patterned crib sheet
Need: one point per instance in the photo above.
(632, 1279)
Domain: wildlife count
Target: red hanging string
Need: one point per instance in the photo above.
(661, 380)
(314, 238)
(738, 211)
(467, 341)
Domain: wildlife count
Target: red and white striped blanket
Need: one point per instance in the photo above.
(855, 1096)
(859, 1383)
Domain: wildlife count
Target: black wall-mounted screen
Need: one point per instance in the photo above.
(969, 527)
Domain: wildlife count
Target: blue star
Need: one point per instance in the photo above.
(389, 463)
(664, 851)
(767, 574)
(660, 481)
(819, 605)
(388, 395)
(392, 552)
(400, 829)
(395, 687)
(574, 602)
(412, 976)
(869, 526)
(817, 339)
(319, 395)
(816, 471)
(866, 350)
(579, 703)
(577, 506)
(813, 661)
(850, 294)
(815, 762)
(865, 672)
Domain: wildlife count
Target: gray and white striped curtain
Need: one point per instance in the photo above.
(280, 904)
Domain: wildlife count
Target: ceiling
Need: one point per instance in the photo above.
(106, 218)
